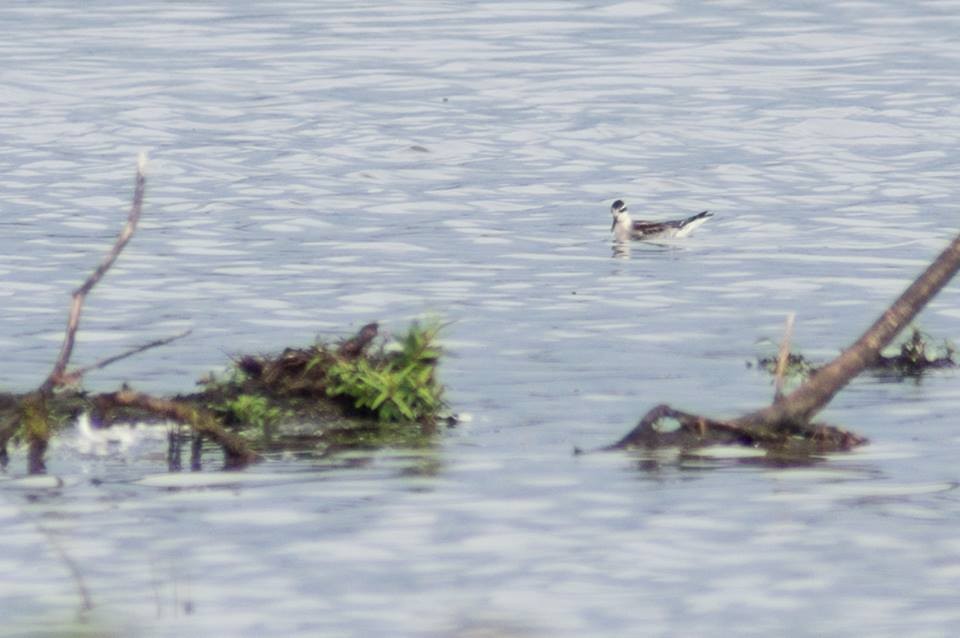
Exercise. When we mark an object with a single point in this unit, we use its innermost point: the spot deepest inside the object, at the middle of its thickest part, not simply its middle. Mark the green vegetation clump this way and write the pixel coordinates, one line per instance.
(359, 392)
(252, 410)
(396, 384)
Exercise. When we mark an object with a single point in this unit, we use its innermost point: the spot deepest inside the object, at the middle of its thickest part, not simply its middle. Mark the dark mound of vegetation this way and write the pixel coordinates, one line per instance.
(913, 358)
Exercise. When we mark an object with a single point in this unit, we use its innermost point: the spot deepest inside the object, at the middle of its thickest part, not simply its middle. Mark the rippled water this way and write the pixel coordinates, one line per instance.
(317, 166)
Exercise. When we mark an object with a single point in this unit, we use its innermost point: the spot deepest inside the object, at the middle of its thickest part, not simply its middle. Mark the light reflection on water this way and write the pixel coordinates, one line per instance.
(316, 167)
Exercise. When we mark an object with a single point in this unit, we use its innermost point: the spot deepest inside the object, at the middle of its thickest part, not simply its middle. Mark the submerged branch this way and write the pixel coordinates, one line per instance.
(664, 426)
(236, 451)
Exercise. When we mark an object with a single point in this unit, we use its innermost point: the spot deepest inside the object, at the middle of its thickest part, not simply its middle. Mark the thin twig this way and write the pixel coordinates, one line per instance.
(8, 427)
(783, 357)
(75, 375)
(79, 295)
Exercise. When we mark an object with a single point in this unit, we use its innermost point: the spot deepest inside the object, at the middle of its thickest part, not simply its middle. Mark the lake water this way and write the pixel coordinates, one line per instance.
(315, 166)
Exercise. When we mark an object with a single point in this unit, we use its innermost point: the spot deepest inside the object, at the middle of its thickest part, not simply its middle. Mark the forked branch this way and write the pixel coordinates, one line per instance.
(75, 375)
(56, 377)
(33, 415)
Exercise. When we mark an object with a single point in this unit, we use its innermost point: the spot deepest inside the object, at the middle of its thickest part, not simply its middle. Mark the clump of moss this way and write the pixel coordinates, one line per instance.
(397, 383)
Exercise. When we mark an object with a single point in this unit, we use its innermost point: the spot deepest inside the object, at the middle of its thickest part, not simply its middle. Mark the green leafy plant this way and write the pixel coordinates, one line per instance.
(253, 410)
(399, 383)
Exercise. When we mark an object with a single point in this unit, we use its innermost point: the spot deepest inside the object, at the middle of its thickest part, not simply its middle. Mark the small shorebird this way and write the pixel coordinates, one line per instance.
(625, 228)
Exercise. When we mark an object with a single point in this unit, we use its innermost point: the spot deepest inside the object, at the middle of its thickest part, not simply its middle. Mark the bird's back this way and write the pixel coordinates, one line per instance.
(673, 228)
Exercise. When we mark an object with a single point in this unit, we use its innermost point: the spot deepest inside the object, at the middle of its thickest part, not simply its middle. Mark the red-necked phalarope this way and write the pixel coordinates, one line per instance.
(625, 228)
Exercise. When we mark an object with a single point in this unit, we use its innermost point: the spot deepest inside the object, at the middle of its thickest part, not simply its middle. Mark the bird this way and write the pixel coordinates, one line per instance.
(625, 228)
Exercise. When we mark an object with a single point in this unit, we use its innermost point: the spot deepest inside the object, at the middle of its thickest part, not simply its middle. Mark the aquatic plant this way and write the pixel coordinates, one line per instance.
(916, 355)
(797, 366)
(912, 357)
(395, 385)
(252, 410)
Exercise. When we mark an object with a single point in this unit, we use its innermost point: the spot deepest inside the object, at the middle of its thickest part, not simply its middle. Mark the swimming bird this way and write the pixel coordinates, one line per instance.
(625, 228)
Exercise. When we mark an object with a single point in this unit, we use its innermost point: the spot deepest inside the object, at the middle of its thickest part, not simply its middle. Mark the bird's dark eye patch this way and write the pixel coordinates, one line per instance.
(619, 204)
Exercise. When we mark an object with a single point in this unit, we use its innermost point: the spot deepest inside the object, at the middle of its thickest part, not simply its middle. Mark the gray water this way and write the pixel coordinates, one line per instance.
(315, 166)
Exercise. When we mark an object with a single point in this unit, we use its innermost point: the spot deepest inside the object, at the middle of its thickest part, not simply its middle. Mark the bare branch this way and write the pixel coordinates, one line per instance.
(79, 295)
(804, 402)
(236, 451)
(787, 422)
(783, 357)
(76, 375)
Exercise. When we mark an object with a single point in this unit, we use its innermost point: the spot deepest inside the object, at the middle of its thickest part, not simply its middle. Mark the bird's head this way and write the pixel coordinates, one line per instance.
(617, 209)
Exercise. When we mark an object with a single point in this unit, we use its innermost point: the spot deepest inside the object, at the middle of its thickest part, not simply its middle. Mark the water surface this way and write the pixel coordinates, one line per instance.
(315, 167)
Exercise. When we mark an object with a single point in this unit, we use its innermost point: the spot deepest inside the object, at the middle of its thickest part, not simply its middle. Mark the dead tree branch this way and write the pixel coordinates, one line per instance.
(787, 420)
(33, 417)
(783, 357)
(803, 403)
(80, 294)
(236, 451)
(76, 375)
(664, 426)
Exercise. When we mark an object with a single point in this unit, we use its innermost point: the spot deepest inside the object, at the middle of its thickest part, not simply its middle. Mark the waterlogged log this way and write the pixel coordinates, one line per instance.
(786, 423)
(664, 426)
